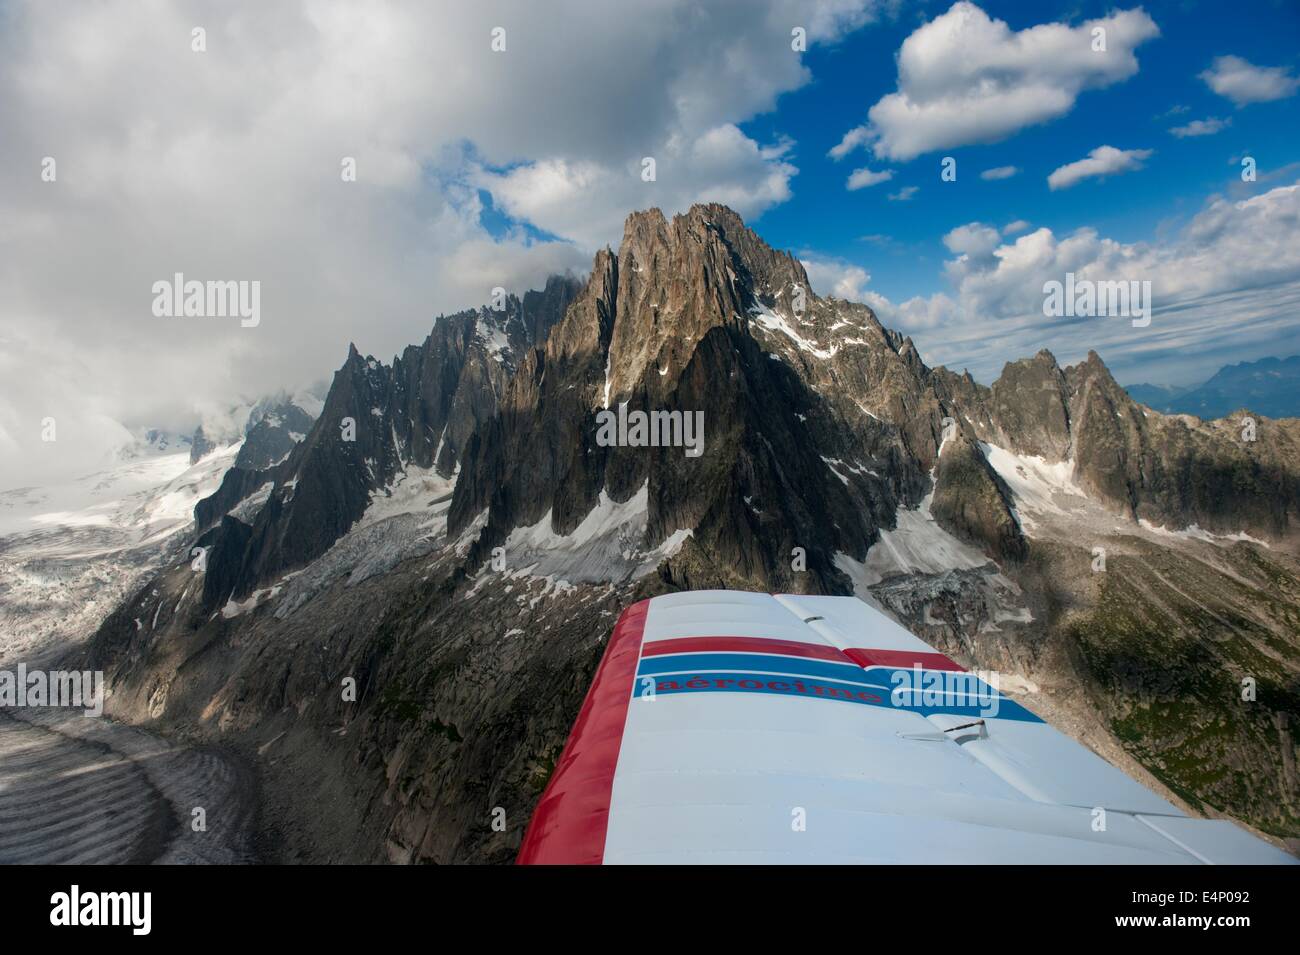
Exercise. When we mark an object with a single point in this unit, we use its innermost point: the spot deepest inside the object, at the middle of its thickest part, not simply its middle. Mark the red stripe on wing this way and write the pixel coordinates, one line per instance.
(902, 658)
(789, 648)
(571, 819)
(928, 659)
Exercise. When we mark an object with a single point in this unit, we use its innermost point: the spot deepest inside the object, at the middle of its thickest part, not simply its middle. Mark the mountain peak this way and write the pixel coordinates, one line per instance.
(643, 221)
(754, 262)
(1093, 362)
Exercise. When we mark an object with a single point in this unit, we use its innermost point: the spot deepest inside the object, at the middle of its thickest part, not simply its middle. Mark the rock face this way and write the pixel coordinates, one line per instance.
(1031, 402)
(377, 420)
(1171, 471)
(237, 485)
(455, 537)
(271, 434)
(973, 503)
(683, 320)
(200, 445)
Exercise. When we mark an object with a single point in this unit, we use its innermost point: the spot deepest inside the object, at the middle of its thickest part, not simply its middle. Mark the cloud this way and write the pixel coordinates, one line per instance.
(905, 194)
(851, 141)
(1102, 161)
(917, 314)
(966, 78)
(686, 81)
(861, 178)
(226, 165)
(844, 280)
(837, 278)
(587, 201)
(1245, 83)
(1226, 287)
(974, 239)
(1011, 228)
(1000, 172)
(1202, 127)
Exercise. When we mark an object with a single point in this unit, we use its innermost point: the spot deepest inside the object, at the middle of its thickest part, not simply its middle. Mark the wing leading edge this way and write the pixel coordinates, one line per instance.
(724, 726)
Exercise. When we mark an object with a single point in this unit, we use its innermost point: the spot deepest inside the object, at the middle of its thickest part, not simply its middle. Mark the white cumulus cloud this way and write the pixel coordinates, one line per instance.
(861, 178)
(1226, 287)
(837, 278)
(1102, 161)
(1202, 127)
(587, 201)
(975, 239)
(1244, 83)
(965, 77)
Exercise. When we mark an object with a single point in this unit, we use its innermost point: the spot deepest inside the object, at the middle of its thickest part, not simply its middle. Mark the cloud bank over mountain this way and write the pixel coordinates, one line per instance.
(226, 164)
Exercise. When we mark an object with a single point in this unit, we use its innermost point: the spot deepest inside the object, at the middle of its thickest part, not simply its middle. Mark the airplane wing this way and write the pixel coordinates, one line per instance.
(731, 727)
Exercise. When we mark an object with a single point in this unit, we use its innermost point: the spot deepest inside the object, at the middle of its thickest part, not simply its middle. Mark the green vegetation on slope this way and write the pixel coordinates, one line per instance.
(1167, 649)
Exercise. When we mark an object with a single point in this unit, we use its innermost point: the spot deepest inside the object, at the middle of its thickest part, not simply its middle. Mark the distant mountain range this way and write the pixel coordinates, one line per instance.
(1270, 386)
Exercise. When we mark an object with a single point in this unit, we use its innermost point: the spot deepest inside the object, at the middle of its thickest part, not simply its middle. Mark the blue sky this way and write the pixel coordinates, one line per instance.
(904, 253)
(852, 75)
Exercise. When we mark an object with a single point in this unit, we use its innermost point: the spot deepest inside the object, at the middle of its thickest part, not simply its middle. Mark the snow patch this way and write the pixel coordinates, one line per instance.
(494, 341)
(1037, 485)
(916, 545)
(1195, 532)
(830, 464)
(608, 358)
(609, 544)
(773, 322)
(413, 491)
(674, 542)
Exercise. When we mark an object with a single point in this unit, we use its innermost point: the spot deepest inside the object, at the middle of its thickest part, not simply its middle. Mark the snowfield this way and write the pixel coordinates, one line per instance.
(607, 546)
(1037, 485)
(1195, 532)
(70, 552)
(916, 545)
(409, 519)
(406, 519)
(1047, 502)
